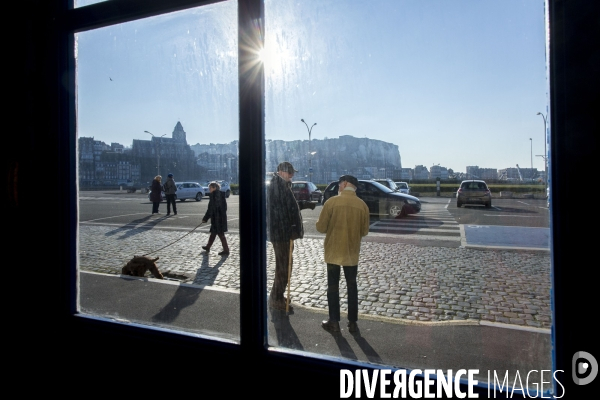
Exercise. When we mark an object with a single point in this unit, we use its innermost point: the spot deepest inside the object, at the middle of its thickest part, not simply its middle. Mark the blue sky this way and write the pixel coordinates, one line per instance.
(451, 82)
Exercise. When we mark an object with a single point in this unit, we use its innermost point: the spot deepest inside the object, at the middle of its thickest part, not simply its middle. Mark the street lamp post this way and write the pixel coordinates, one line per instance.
(157, 152)
(545, 155)
(531, 142)
(309, 152)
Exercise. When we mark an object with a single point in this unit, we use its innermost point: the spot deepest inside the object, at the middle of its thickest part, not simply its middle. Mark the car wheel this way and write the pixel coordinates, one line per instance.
(458, 204)
(227, 193)
(403, 213)
(394, 210)
(198, 196)
(488, 204)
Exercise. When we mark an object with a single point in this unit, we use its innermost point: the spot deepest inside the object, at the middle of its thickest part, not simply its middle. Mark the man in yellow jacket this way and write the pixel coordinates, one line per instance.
(345, 220)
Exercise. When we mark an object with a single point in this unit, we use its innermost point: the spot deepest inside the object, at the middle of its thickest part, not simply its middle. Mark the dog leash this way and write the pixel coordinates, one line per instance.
(198, 226)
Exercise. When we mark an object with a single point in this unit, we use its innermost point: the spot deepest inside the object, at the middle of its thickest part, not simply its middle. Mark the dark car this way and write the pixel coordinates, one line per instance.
(380, 199)
(304, 190)
(473, 192)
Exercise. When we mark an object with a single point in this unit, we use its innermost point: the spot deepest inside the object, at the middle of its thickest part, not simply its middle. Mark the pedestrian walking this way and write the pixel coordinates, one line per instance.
(345, 220)
(217, 213)
(156, 193)
(170, 189)
(284, 222)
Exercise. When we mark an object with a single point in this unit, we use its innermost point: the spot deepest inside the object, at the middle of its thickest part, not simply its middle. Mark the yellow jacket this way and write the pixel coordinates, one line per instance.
(345, 220)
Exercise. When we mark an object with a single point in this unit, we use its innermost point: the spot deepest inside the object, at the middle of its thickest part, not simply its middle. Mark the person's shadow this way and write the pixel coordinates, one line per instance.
(369, 351)
(343, 345)
(135, 227)
(286, 336)
(206, 274)
(183, 297)
(186, 296)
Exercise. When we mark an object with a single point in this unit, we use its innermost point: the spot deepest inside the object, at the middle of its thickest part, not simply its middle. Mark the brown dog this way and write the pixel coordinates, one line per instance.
(139, 265)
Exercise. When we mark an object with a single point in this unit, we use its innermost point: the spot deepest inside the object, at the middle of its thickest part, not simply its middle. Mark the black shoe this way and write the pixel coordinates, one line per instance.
(168, 214)
(224, 253)
(206, 248)
(175, 213)
(331, 326)
(352, 327)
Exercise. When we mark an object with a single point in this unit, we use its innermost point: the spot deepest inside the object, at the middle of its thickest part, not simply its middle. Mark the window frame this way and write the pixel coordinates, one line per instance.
(570, 121)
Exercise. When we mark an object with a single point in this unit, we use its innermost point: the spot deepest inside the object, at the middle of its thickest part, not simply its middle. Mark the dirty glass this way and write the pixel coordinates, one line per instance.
(431, 93)
(158, 97)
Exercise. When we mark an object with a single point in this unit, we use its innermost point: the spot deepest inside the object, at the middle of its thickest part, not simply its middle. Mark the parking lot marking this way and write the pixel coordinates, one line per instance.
(510, 215)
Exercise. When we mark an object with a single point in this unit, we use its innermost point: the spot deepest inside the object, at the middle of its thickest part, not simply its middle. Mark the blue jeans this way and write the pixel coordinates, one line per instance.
(333, 292)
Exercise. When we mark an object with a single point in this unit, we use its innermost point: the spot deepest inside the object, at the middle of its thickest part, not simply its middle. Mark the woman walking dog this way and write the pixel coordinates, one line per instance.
(217, 213)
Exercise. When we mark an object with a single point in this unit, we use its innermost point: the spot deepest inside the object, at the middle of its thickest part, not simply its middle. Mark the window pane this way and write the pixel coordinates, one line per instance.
(416, 91)
(156, 97)
(83, 3)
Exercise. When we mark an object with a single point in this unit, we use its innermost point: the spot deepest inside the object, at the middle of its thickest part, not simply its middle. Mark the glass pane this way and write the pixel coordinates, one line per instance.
(430, 93)
(157, 97)
(83, 3)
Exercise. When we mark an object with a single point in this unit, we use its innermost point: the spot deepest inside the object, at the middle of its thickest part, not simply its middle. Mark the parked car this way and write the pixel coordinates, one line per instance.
(225, 187)
(304, 190)
(403, 187)
(387, 182)
(187, 190)
(380, 199)
(190, 190)
(473, 192)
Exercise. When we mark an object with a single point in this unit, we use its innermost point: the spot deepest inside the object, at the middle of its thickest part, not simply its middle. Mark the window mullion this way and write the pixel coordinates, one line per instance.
(251, 172)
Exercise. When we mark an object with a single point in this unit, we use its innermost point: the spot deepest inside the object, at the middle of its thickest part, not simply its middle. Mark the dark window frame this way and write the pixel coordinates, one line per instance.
(49, 141)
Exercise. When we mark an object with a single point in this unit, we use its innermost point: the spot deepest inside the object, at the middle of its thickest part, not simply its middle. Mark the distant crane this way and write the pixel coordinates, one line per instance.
(519, 171)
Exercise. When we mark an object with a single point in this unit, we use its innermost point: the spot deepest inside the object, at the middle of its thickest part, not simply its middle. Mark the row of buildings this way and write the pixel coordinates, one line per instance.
(320, 161)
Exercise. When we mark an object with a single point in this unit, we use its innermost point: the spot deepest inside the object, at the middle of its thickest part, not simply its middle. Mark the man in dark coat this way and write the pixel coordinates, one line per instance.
(284, 222)
(170, 189)
(217, 213)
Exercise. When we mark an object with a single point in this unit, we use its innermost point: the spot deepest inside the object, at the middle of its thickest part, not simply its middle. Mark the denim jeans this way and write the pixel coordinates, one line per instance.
(333, 292)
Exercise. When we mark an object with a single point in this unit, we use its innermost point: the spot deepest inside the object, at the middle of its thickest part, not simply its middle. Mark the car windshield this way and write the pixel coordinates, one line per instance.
(402, 185)
(383, 188)
(474, 186)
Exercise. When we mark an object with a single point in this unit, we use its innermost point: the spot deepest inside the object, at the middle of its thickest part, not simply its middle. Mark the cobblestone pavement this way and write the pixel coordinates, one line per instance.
(396, 280)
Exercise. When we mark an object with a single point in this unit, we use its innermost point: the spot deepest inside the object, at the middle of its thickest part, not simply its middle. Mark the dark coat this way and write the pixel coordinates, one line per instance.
(284, 220)
(156, 190)
(170, 187)
(216, 212)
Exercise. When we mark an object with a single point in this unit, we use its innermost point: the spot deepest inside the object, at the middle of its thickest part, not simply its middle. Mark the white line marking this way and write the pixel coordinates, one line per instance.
(514, 216)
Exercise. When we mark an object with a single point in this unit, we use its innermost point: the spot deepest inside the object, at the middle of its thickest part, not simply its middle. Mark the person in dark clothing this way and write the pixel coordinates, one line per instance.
(156, 193)
(170, 189)
(217, 213)
(284, 222)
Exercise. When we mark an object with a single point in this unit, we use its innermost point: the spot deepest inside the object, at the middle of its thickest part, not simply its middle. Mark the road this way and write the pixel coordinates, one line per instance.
(519, 223)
